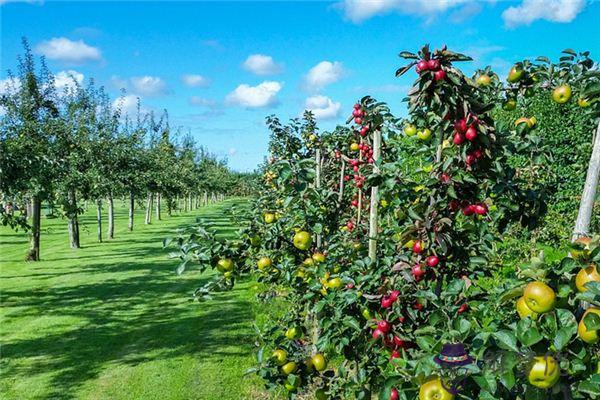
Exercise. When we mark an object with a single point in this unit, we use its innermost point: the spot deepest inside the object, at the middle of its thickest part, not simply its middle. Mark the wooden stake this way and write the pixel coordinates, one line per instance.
(588, 197)
(373, 222)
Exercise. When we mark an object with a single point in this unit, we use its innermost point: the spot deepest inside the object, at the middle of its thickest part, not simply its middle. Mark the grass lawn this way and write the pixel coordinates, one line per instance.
(113, 321)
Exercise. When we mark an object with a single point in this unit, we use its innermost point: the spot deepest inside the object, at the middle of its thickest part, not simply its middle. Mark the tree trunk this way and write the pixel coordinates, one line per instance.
(34, 238)
(73, 221)
(149, 209)
(158, 206)
(111, 217)
(190, 202)
(29, 208)
(205, 201)
(586, 207)
(131, 210)
(373, 223)
(170, 204)
(99, 219)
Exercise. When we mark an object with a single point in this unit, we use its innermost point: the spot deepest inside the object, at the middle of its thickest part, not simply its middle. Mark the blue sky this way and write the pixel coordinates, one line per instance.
(221, 67)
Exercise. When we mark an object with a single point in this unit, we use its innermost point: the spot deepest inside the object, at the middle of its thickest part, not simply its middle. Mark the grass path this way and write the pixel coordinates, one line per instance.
(113, 321)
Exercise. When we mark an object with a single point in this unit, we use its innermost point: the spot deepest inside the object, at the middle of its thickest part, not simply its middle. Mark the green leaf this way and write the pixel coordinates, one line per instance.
(506, 340)
(527, 332)
(591, 386)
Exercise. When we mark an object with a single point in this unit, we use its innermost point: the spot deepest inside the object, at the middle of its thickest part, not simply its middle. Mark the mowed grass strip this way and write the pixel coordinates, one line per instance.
(113, 321)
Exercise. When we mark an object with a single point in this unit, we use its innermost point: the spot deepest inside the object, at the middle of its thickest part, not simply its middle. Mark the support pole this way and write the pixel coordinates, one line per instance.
(588, 197)
(373, 217)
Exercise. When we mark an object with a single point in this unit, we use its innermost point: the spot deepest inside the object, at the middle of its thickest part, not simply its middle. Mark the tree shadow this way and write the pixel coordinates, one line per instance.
(135, 315)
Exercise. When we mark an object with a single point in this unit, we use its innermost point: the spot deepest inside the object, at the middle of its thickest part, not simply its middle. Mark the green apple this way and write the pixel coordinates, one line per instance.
(515, 74)
(302, 240)
(544, 372)
(425, 134)
(483, 80)
(410, 129)
(562, 94)
(225, 265)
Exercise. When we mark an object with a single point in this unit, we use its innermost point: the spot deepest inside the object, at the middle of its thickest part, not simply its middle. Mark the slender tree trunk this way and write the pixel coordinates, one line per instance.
(149, 209)
(73, 221)
(586, 207)
(34, 238)
(205, 198)
(190, 201)
(170, 206)
(99, 219)
(111, 217)
(29, 208)
(158, 206)
(131, 210)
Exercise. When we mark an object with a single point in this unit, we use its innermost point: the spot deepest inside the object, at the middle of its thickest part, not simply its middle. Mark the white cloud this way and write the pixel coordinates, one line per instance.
(261, 64)
(323, 107)
(67, 80)
(323, 74)
(550, 10)
(150, 86)
(232, 151)
(360, 10)
(127, 104)
(68, 51)
(9, 85)
(200, 101)
(262, 95)
(193, 80)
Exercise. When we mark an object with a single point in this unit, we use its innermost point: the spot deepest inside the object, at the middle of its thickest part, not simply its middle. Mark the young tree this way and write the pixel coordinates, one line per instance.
(27, 133)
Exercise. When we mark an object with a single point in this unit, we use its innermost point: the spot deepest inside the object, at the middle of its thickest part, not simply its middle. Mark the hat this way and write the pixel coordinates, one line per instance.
(453, 355)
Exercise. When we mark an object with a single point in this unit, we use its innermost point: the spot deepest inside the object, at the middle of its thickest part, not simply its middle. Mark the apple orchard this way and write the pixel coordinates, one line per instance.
(380, 245)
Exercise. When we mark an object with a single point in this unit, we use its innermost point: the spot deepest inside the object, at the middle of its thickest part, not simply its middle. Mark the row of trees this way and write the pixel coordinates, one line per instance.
(385, 241)
(69, 144)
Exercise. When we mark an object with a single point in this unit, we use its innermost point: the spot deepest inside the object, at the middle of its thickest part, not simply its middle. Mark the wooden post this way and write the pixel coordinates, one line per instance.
(158, 216)
(111, 217)
(342, 175)
(149, 209)
(131, 209)
(588, 197)
(99, 219)
(373, 223)
(318, 185)
(360, 192)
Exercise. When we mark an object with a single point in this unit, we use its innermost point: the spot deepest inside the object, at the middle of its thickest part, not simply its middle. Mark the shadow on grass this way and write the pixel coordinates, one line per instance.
(124, 320)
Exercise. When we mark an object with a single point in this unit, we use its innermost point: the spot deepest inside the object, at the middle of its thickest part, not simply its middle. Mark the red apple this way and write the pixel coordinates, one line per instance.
(358, 120)
(394, 295)
(458, 138)
(418, 247)
(377, 333)
(386, 302)
(356, 106)
(418, 272)
(468, 210)
(394, 394)
(461, 125)
(480, 209)
(464, 307)
(433, 64)
(432, 261)
(439, 75)
(422, 66)
(471, 133)
(384, 326)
